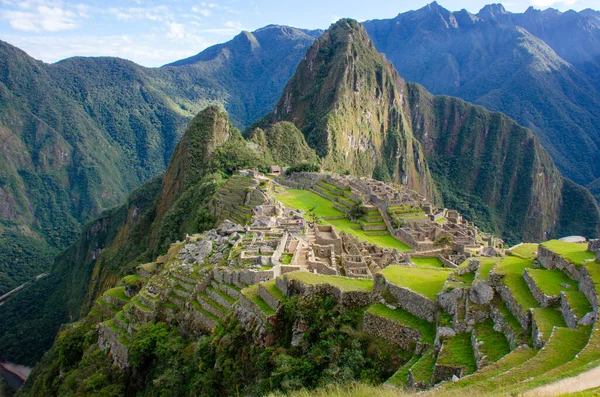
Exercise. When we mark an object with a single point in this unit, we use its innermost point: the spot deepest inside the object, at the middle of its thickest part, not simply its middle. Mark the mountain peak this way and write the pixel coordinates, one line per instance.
(491, 11)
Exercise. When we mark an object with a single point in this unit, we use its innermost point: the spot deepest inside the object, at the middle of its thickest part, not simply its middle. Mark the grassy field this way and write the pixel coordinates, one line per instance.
(428, 262)
(323, 208)
(305, 200)
(403, 317)
(458, 352)
(426, 281)
(512, 268)
(549, 281)
(573, 252)
(526, 250)
(344, 283)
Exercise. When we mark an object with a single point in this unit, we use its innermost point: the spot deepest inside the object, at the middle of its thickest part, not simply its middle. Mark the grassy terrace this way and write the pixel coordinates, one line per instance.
(323, 208)
(485, 267)
(458, 352)
(251, 293)
(562, 347)
(343, 283)
(579, 303)
(426, 281)
(132, 279)
(513, 359)
(119, 293)
(399, 378)
(547, 319)
(587, 359)
(512, 268)
(495, 346)
(423, 369)
(199, 308)
(403, 317)
(573, 252)
(428, 262)
(221, 294)
(549, 281)
(525, 250)
(273, 290)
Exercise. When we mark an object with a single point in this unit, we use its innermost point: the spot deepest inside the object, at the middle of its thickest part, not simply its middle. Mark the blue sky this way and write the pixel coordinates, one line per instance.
(155, 32)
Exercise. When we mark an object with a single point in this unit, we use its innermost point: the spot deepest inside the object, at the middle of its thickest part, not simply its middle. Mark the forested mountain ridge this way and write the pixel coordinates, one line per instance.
(82, 133)
(534, 67)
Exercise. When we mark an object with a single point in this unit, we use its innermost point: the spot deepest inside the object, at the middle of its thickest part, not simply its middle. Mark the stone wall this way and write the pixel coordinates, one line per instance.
(411, 301)
(268, 298)
(594, 246)
(241, 278)
(586, 285)
(543, 299)
(442, 373)
(567, 312)
(390, 330)
(539, 339)
(502, 325)
(108, 339)
(523, 315)
(347, 299)
(199, 320)
(551, 260)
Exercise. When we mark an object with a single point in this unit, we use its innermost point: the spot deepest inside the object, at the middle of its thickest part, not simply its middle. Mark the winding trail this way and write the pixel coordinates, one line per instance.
(581, 382)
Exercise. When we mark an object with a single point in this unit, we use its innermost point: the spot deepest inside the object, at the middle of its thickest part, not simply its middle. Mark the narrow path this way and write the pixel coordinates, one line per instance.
(581, 382)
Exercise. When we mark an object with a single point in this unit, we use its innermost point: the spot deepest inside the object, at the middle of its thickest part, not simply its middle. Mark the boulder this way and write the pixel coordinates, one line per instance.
(587, 319)
(481, 293)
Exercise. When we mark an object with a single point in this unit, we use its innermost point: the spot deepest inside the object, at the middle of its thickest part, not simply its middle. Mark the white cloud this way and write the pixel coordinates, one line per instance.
(40, 18)
(205, 12)
(552, 3)
(147, 49)
(158, 13)
(176, 30)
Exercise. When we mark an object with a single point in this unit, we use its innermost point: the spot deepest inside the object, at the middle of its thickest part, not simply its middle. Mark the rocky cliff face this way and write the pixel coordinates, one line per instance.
(350, 104)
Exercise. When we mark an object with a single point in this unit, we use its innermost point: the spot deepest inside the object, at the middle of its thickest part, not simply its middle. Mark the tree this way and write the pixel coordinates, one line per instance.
(357, 211)
(444, 241)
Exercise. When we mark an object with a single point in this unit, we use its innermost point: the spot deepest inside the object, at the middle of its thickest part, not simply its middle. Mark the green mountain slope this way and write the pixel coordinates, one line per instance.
(79, 135)
(524, 65)
(359, 115)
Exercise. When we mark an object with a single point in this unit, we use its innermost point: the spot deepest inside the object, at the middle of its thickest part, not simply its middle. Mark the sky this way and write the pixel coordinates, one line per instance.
(156, 32)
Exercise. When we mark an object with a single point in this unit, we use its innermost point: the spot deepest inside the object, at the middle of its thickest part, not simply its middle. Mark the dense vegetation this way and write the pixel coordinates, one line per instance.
(332, 350)
(81, 134)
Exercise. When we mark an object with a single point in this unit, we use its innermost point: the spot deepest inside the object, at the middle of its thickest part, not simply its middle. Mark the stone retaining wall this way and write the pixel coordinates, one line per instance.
(567, 312)
(199, 320)
(539, 339)
(543, 299)
(347, 299)
(109, 340)
(219, 299)
(522, 315)
(254, 309)
(551, 260)
(411, 301)
(586, 285)
(242, 278)
(268, 298)
(502, 325)
(390, 330)
(594, 246)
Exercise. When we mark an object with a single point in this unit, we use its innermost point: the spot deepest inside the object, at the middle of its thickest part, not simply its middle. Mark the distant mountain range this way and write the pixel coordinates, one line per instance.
(82, 133)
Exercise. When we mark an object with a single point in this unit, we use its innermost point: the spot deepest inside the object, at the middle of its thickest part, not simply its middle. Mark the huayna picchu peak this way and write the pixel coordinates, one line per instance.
(302, 219)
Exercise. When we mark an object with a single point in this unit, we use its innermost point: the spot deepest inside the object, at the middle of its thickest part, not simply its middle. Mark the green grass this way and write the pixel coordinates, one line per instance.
(513, 359)
(403, 317)
(401, 375)
(221, 294)
(345, 284)
(549, 281)
(578, 303)
(573, 252)
(423, 369)
(507, 314)
(526, 250)
(428, 262)
(305, 200)
(119, 293)
(546, 319)
(208, 314)
(273, 290)
(132, 279)
(562, 347)
(495, 345)
(458, 352)
(251, 293)
(149, 267)
(512, 268)
(426, 281)
(286, 259)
